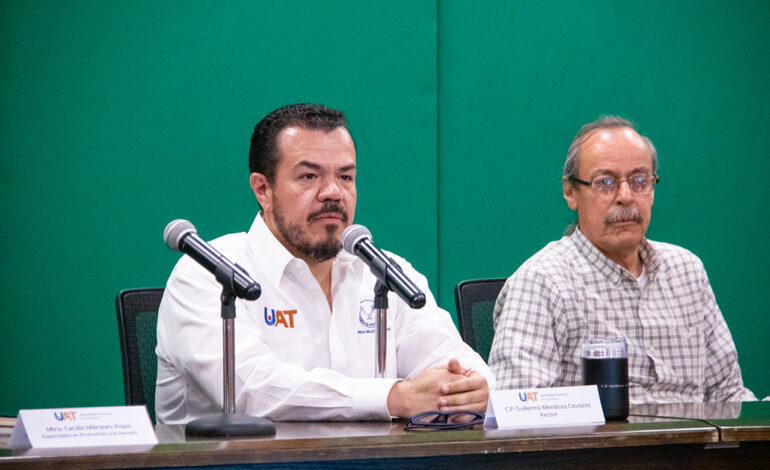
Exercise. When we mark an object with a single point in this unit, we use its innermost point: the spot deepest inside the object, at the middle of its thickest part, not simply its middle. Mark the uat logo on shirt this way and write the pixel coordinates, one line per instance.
(280, 317)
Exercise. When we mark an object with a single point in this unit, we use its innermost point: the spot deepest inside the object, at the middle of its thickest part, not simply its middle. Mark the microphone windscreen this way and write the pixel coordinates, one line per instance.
(175, 230)
(352, 235)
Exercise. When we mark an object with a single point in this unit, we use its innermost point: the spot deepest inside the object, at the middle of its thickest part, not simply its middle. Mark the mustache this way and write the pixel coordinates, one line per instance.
(327, 207)
(623, 213)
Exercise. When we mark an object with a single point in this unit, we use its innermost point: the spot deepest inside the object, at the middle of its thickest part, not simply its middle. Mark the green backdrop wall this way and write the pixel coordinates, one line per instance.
(518, 79)
(120, 116)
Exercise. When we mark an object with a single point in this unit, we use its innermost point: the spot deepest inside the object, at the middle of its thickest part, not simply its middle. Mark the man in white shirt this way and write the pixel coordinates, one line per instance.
(305, 349)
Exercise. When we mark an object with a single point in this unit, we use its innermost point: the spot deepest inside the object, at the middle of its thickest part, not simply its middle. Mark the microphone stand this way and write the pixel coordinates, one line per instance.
(381, 335)
(228, 424)
(381, 312)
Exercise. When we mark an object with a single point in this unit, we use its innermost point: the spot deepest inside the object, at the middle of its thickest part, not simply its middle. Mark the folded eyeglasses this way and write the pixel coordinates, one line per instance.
(444, 420)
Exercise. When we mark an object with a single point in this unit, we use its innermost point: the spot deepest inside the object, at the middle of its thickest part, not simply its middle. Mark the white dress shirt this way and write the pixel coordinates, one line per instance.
(295, 358)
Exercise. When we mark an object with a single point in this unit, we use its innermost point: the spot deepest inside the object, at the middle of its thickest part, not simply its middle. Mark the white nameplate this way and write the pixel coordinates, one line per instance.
(83, 427)
(535, 407)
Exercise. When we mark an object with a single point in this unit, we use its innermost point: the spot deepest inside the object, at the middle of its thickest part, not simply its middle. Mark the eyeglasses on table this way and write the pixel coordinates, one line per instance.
(444, 420)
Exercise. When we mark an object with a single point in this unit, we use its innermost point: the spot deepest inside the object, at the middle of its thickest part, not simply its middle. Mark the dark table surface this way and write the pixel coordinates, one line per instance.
(675, 435)
(736, 422)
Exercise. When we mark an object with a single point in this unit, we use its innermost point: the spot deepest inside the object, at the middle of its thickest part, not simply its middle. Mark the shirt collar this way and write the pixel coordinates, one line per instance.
(270, 254)
(274, 258)
(650, 258)
(610, 269)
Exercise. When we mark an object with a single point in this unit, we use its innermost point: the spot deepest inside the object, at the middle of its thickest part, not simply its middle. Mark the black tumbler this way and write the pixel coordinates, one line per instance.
(604, 363)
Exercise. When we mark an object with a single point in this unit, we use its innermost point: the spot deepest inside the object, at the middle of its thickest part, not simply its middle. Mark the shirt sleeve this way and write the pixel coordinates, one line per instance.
(190, 354)
(525, 353)
(723, 381)
(428, 337)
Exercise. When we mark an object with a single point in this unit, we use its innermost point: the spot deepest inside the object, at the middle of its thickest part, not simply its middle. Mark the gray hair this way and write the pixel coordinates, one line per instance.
(604, 122)
(571, 164)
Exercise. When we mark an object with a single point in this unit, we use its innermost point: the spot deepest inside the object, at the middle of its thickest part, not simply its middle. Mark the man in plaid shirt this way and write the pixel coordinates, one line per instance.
(604, 278)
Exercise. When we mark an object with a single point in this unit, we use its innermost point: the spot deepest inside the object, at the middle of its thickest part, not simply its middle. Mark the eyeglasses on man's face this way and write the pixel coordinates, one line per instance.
(640, 183)
(444, 420)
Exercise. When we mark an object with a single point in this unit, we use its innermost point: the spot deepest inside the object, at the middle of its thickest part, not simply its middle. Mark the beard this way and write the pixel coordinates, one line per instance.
(294, 235)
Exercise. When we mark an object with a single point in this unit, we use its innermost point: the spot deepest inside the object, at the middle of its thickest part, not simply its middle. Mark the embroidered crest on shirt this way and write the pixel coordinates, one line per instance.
(366, 314)
(283, 318)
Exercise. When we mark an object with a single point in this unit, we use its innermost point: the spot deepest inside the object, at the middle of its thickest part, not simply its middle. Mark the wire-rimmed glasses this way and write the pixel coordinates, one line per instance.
(444, 420)
(640, 183)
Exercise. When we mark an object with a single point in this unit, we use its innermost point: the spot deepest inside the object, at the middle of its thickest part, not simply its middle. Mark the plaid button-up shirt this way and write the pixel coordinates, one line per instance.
(679, 347)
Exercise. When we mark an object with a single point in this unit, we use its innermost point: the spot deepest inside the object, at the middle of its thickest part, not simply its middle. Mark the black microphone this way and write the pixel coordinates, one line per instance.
(180, 235)
(357, 240)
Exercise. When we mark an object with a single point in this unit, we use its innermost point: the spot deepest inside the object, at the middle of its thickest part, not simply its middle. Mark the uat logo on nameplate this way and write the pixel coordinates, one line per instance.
(83, 427)
(558, 406)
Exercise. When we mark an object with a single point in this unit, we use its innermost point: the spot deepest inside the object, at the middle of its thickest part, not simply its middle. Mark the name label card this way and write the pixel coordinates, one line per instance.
(536, 407)
(83, 427)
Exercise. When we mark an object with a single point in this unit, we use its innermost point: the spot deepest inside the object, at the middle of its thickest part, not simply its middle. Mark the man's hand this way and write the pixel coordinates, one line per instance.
(470, 392)
(439, 388)
(421, 393)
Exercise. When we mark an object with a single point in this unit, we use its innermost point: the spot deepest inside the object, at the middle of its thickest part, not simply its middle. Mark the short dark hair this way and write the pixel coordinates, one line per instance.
(263, 155)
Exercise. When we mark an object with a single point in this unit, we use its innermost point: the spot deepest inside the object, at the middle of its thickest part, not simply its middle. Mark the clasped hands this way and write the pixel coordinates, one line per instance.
(446, 388)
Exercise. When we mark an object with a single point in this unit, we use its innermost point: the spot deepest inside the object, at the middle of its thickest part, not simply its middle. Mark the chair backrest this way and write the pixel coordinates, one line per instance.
(137, 326)
(475, 302)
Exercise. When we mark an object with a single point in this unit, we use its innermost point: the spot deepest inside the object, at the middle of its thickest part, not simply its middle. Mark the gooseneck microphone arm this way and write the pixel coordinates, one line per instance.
(357, 240)
(180, 235)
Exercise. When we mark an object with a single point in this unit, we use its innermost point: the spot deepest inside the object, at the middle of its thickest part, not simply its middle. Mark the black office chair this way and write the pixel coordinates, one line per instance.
(137, 326)
(475, 302)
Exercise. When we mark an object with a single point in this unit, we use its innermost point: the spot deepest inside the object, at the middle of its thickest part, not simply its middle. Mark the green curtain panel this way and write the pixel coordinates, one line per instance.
(118, 117)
